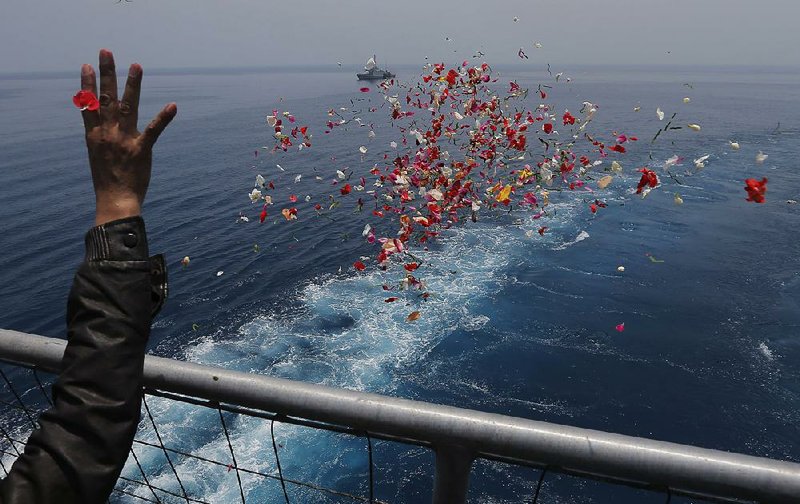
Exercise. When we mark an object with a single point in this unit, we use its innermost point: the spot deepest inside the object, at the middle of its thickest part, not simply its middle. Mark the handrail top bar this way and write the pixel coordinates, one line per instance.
(682, 468)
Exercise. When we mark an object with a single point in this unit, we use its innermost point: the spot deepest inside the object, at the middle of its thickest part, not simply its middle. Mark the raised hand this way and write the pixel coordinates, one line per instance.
(119, 155)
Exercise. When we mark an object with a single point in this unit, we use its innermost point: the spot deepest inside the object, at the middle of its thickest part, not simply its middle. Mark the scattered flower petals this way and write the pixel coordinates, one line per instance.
(756, 190)
(660, 114)
(604, 181)
(621, 269)
(734, 145)
(86, 100)
(693, 126)
(678, 200)
(620, 327)
(364, 90)
(220, 273)
(414, 315)
(649, 178)
(700, 162)
(185, 261)
(761, 157)
(674, 160)
(360, 266)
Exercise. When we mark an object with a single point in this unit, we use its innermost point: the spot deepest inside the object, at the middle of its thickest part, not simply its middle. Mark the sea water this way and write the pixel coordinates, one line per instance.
(517, 323)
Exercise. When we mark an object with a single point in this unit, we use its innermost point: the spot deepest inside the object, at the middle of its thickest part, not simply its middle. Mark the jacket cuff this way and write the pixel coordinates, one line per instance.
(119, 240)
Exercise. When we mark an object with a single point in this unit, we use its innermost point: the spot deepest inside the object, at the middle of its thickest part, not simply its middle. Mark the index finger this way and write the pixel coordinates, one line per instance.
(91, 118)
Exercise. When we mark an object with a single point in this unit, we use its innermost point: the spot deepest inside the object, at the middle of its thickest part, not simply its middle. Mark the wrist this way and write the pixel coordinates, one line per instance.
(112, 209)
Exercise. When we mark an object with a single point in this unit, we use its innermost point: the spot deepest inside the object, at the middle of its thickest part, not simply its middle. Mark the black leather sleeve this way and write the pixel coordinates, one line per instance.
(83, 441)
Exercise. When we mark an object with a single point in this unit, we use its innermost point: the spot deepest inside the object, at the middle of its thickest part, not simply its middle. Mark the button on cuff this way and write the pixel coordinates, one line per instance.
(120, 240)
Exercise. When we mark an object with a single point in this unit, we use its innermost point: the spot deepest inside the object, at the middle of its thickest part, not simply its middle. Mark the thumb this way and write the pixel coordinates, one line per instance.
(157, 125)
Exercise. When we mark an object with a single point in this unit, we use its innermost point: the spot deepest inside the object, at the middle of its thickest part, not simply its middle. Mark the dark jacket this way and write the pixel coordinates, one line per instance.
(83, 441)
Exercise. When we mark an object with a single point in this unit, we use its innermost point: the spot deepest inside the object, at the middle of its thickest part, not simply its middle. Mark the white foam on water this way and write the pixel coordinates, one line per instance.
(581, 236)
(766, 351)
(343, 334)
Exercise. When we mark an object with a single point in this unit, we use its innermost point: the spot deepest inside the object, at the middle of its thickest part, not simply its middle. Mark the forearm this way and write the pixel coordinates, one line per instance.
(84, 440)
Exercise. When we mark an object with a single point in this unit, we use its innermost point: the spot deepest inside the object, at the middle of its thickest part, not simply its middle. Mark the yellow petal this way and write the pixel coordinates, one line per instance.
(604, 181)
(504, 193)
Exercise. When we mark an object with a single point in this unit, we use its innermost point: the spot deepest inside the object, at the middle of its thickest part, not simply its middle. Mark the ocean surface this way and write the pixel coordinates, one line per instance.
(517, 325)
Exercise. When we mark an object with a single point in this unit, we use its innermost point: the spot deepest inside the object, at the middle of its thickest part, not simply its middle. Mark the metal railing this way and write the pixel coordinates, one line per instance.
(457, 436)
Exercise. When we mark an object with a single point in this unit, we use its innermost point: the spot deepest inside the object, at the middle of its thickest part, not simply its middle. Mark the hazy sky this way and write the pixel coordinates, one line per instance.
(62, 34)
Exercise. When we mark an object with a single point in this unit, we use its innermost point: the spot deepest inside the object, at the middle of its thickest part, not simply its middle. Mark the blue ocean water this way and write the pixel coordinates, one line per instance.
(517, 325)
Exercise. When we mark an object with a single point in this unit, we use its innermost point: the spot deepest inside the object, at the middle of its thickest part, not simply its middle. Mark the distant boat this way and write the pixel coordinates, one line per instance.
(373, 72)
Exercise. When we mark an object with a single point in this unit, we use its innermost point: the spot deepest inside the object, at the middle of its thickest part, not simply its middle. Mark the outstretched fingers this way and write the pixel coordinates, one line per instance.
(157, 125)
(91, 118)
(129, 106)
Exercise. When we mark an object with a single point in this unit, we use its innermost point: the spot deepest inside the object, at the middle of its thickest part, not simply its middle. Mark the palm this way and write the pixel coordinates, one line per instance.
(119, 155)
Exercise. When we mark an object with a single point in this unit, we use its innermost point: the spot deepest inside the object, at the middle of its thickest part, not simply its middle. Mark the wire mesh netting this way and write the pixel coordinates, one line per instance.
(193, 455)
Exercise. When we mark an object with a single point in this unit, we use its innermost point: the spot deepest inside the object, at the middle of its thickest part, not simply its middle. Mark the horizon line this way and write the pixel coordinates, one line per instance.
(350, 66)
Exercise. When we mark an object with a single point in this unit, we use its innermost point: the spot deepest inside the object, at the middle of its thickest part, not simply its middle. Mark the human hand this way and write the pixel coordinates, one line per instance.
(119, 155)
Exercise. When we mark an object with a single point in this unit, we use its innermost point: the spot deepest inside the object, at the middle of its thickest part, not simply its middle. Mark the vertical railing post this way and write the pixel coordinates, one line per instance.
(451, 482)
